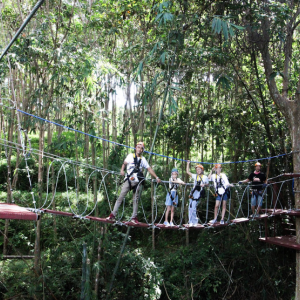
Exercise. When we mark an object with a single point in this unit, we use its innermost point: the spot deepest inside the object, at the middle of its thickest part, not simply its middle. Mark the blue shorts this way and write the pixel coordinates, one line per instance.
(256, 200)
(225, 197)
(169, 201)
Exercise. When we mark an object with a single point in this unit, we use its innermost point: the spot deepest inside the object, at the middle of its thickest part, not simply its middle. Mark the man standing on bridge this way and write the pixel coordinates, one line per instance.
(258, 180)
(135, 162)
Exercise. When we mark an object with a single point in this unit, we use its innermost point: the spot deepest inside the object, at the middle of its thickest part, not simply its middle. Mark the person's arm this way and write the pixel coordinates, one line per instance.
(226, 181)
(150, 170)
(123, 167)
(266, 180)
(210, 173)
(188, 168)
(244, 181)
(178, 181)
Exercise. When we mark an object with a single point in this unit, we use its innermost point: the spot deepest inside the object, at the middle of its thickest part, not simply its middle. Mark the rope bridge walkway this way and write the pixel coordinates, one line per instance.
(61, 171)
(77, 176)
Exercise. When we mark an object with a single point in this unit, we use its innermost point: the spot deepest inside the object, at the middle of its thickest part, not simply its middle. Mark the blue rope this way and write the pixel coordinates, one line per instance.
(153, 153)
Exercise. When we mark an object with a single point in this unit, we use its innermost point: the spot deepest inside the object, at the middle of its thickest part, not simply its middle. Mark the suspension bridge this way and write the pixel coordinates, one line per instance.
(238, 208)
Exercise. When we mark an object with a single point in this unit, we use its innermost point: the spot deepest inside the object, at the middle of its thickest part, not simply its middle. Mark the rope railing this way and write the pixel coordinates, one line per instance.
(241, 193)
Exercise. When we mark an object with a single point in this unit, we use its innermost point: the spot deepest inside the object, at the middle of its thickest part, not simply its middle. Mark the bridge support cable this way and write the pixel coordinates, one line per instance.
(34, 10)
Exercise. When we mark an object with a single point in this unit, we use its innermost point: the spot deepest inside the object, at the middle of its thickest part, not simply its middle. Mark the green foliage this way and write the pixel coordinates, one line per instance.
(200, 59)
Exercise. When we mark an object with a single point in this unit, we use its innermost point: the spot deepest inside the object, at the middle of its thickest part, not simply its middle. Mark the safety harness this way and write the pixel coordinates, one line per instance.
(136, 169)
(221, 185)
(197, 187)
(174, 187)
(257, 190)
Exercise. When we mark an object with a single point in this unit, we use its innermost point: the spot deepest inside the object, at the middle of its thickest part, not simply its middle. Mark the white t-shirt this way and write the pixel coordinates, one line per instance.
(222, 177)
(202, 177)
(130, 163)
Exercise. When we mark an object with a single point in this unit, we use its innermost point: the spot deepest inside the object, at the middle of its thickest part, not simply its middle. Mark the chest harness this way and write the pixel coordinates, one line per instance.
(174, 187)
(198, 187)
(136, 169)
(221, 185)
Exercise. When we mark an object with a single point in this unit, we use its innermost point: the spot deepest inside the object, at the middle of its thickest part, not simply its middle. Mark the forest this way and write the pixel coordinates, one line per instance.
(207, 81)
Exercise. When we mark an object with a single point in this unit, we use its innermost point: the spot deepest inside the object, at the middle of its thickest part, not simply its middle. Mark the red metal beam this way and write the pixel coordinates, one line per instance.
(15, 212)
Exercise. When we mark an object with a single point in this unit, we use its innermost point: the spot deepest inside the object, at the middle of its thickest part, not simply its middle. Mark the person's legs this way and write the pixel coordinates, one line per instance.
(194, 212)
(167, 213)
(259, 203)
(135, 201)
(216, 209)
(125, 189)
(253, 203)
(190, 211)
(172, 213)
(223, 209)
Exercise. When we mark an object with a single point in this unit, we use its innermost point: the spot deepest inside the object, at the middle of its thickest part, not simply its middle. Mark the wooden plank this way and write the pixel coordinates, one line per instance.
(274, 212)
(239, 220)
(295, 175)
(195, 226)
(16, 212)
(295, 213)
(162, 226)
(102, 220)
(217, 224)
(139, 224)
(288, 241)
(260, 217)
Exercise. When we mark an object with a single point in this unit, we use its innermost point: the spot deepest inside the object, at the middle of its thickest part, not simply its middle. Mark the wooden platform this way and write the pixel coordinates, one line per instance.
(15, 212)
(195, 226)
(295, 175)
(162, 226)
(287, 241)
(274, 212)
(239, 220)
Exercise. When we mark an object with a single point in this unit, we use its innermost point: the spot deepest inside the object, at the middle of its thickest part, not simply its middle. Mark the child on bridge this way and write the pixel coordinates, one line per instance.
(198, 191)
(172, 196)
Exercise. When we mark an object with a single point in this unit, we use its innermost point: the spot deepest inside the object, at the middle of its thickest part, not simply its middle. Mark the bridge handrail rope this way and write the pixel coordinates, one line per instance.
(97, 191)
(102, 184)
(47, 190)
(182, 205)
(129, 147)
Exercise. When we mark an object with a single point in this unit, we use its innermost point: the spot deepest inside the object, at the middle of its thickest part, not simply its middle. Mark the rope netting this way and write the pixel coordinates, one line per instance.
(62, 172)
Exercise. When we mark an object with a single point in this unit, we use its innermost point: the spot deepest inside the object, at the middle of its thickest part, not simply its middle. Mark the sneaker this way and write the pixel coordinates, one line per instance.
(111, 217)
(213, 221)
(171, 224)
(191, 225)
(166, 223)
(222, 222)
(134, 220)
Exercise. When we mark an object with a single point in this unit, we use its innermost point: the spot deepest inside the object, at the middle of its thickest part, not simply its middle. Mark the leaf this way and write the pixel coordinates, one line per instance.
(176, 88)
(163, 57)
(237, 26)
(225, 30)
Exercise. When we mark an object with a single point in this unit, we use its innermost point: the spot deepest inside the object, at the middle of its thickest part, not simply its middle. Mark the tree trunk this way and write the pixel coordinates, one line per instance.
(98, 262)
(296, 162)
(37, 252)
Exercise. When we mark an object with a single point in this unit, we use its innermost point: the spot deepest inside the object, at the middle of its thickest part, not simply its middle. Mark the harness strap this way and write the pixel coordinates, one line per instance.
(136, 168)
(174, 186)
(197, 187)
